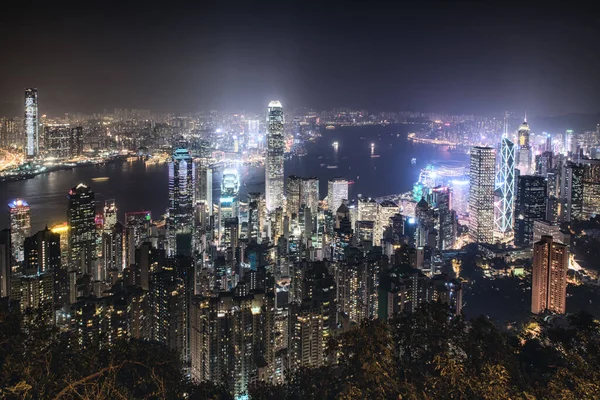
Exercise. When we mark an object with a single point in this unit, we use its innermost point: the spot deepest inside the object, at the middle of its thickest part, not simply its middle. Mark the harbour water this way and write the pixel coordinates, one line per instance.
(382, 169)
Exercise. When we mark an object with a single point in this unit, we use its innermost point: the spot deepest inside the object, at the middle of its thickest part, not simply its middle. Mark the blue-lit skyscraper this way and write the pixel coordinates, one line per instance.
(506, 184)
(274, 191)
(31, 122)
(180, 220)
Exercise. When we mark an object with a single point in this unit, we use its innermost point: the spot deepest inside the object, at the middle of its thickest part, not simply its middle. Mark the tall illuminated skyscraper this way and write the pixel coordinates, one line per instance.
(20, 226)
(180, 219)
(524, 155)
(337, 190)
(481, 198)
(204, 188)
(530, 207)
(110, 214)
(549, 276)
(506, 182)
(31, 122)
(229, 201)
(274, 163)
(82, 228)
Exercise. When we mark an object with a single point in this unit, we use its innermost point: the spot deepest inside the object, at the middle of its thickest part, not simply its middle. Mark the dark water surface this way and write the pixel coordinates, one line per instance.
(136, 186)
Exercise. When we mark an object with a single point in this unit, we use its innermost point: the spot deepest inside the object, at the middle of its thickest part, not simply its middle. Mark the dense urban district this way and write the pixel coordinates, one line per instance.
(479, 282)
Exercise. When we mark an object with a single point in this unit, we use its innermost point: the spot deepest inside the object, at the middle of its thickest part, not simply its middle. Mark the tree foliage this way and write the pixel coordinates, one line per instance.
(431, 354)
(37, 361)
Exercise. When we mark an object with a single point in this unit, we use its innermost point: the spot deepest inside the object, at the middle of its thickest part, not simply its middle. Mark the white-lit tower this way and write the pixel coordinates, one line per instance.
(506, 184)
(180, 219)
(481, 196)
(31, 122)
(274, 177)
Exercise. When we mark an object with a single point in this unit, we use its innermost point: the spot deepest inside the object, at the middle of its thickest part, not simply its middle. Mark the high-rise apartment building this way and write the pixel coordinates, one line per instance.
(549, 276)
(232, 339)
(506, 182)
(20, 226)
(274, 175)
(82, 228)
(31, 123)
(180, 219)
(311, 315)
(481, 199)
(530, 207)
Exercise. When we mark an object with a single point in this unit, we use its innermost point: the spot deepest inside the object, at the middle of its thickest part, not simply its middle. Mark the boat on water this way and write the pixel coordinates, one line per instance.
(330, 127)
(413, 161)
(375, 155)
(332, 166)
(335, 145)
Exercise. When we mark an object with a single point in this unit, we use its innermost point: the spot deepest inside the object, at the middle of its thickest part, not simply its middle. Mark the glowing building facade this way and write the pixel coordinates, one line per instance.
(180, 220)
(31, 123)
(229, 200)
(274, 176)
(481, 198)
(506, 184)
(549, 276)
(20, 226)
(82, 228)
(524, 155)
(337, 191)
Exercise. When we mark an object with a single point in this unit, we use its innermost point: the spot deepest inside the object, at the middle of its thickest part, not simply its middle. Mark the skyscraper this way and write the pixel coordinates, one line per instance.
(481, 199)
(20, 226)
(274, 163)
(204, 188)
(309, 194)
(229, 201)
(337, 190)
(530, 207)
(506, 181)
(293, 190)
(5, 263)
(572, 192)
(524, 155)
(110, 214)
(31, 122)
(180, 218)
(82, 228)
(42, 253)
(549, 276)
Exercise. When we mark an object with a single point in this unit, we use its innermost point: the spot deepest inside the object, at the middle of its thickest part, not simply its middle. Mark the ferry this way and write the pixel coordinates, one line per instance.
(335, 145)
(332, 166)
(375, 155)
(330, 127)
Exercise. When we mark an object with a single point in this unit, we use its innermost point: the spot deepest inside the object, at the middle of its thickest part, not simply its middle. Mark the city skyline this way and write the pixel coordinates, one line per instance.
(157, 250)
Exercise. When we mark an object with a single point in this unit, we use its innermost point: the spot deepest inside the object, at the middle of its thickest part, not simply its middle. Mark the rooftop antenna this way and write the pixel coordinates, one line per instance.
(525, 116)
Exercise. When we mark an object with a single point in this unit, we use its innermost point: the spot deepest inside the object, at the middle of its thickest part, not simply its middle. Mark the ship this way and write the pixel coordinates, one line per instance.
(413, 161)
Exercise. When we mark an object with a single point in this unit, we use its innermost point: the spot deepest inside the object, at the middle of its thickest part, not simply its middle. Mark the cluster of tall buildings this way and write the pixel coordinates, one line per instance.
(38, 137)
(524, 187)
(242, 288)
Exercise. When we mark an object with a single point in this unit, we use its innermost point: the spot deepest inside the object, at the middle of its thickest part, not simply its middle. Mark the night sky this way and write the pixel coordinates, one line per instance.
(467, 57)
